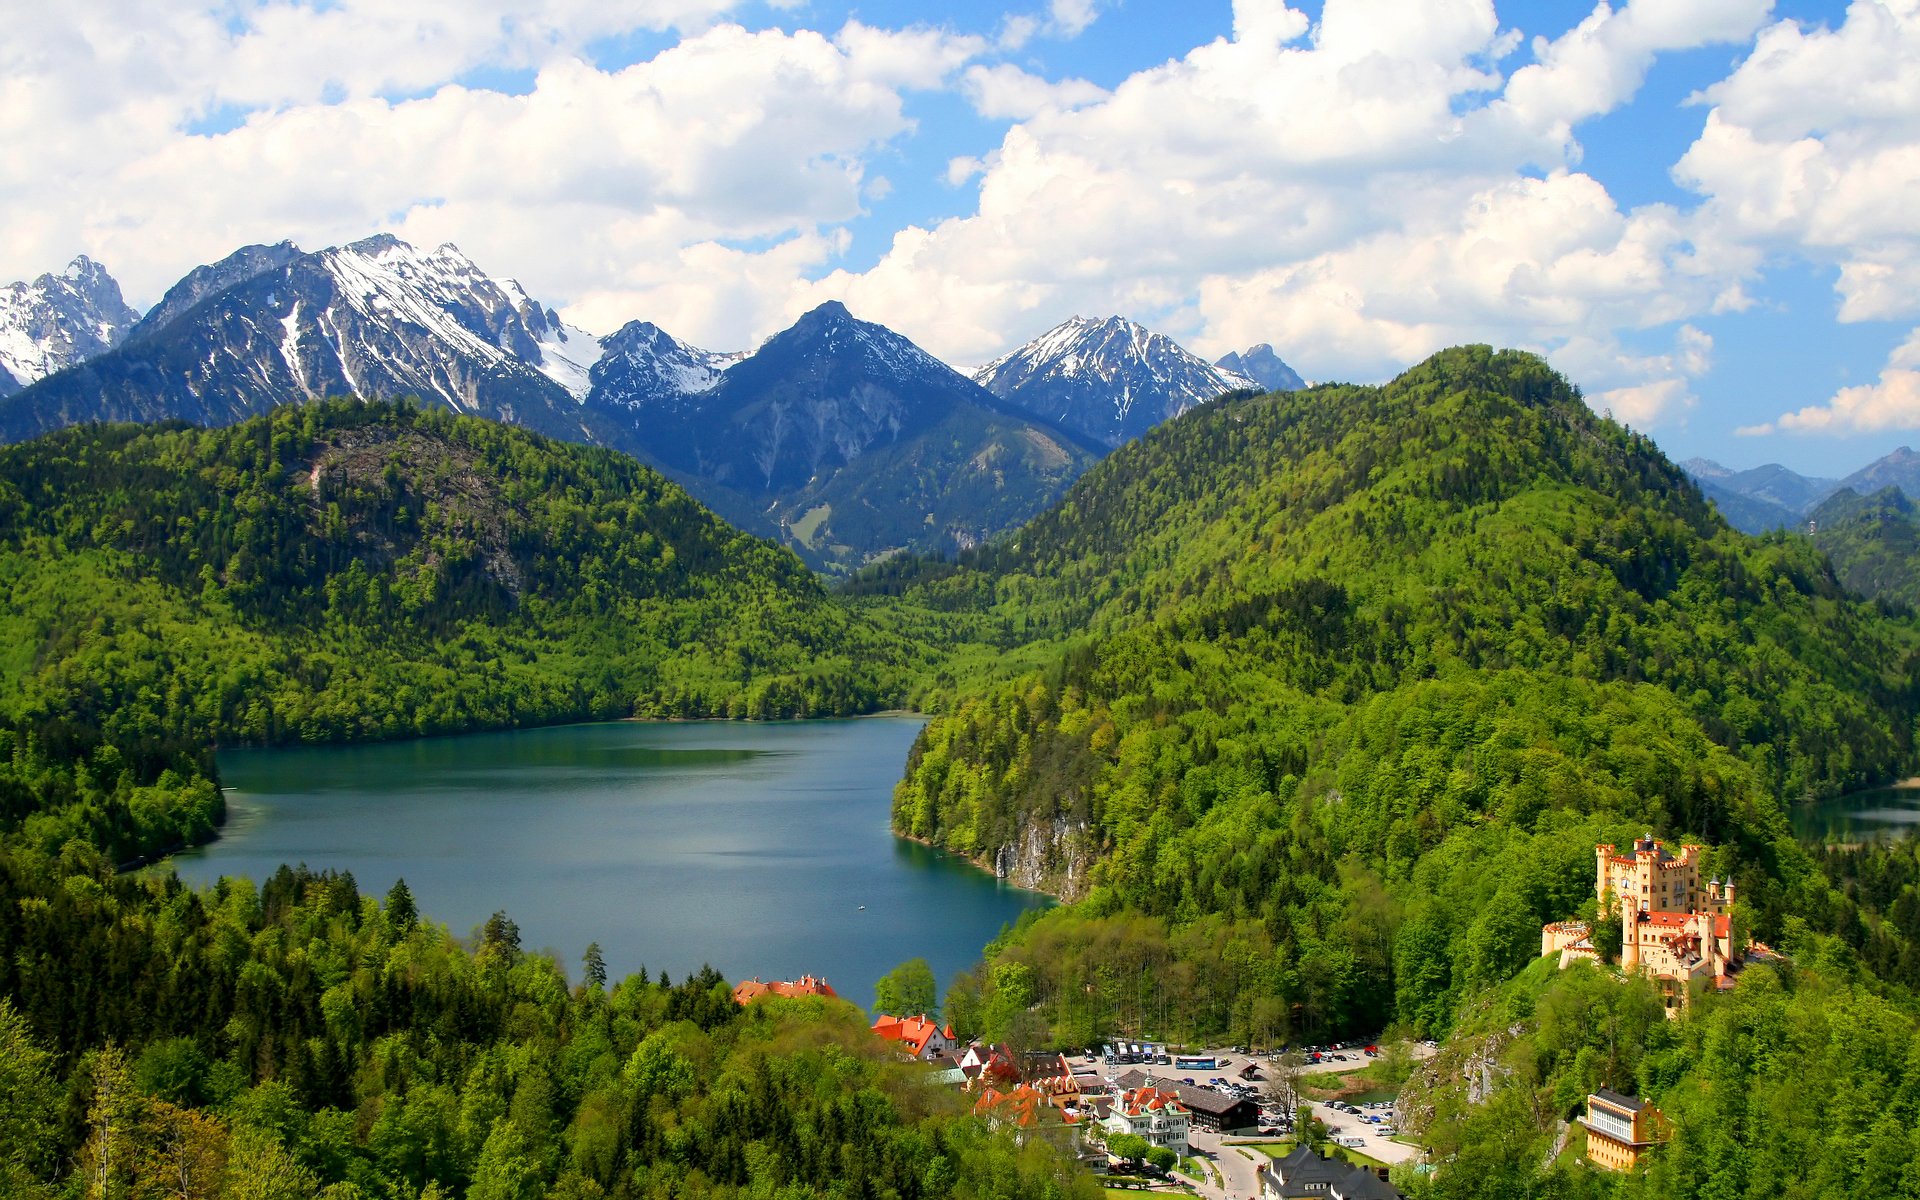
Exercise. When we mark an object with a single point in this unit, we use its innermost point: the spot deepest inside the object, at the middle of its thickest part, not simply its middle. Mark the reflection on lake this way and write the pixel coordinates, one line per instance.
(1870, 815)
(761, 848)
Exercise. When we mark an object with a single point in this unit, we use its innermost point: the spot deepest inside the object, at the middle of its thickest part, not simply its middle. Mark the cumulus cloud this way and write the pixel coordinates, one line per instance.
(1005, 91)
(591, 185)
(1360, 191)
(1812, 147)
(1890, 402)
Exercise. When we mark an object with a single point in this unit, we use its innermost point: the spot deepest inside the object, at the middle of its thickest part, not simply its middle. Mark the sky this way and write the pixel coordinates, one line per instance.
(1705, 212)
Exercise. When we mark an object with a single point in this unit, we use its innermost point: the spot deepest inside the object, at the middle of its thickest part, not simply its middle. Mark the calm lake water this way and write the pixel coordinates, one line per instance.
(1859, 817)
(750, 846)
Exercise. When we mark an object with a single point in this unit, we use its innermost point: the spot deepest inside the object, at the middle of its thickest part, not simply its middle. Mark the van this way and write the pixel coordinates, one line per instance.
(1351, 1143)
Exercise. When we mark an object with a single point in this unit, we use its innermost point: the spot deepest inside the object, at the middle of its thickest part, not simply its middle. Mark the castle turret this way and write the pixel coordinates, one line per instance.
(1629, 938)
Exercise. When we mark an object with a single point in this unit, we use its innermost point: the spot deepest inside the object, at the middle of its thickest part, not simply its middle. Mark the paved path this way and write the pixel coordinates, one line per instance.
(1235, 1164)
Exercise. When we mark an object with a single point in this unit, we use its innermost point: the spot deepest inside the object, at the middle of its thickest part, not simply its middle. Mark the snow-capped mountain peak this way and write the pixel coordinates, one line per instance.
(442, 293)
(59, 320)
(643, 366)
(1109, 378)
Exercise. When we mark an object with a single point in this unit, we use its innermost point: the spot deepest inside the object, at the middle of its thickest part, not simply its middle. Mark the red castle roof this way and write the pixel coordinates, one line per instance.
(806, 985)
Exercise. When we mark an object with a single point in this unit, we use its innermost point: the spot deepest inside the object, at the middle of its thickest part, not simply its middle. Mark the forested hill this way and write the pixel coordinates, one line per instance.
(1874, 541)
(1373, 668)
(343, 570)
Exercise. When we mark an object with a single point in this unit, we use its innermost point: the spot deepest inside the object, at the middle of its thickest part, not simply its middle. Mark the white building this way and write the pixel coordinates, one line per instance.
(1152, 1114)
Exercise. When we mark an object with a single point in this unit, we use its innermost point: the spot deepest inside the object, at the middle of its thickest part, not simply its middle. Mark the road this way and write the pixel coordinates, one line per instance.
(1236, 1165)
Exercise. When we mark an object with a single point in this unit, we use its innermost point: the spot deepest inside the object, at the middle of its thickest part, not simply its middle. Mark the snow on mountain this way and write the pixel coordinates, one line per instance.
(1111, 380)
(243, 264)
(642, 366)
(377, 318)
(59, 320)
(838, 436)
(443, 294)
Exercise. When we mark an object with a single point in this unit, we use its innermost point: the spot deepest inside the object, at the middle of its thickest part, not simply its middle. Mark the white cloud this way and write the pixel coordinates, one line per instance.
(1064, 19)
(1812, 147)
(1890, 402)
(593, 184)
(1360, 192)
(1005, 91)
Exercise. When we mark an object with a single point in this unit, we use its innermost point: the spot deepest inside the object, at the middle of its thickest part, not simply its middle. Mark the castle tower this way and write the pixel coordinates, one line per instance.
(1602, 884)
(1629, 938)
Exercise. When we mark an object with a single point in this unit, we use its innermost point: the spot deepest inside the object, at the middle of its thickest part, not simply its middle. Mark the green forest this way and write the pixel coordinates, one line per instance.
(1312, 705)
(348, 571)
(1874, 542)
(1325, 700)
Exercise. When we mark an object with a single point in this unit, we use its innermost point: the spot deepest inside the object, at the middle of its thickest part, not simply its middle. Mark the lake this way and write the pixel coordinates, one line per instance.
(1858, 817)
(763, 849)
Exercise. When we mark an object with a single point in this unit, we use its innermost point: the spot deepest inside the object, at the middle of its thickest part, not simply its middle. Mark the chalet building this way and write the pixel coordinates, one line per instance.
(990, 1066)
(1152, 1113)
(1028, 1111)
(1673, 927)
(1620, 1130)
(1036, 1065)
(806, 985)
(918, 1036)
(1213, 1111)
(1305, 1175)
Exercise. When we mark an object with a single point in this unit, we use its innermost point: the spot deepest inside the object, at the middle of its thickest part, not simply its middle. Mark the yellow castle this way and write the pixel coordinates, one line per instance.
(1671, 927)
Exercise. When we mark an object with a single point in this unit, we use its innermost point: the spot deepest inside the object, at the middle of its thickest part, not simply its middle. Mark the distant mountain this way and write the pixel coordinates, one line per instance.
(643, 368)
(1110, 380)
(1760, 498)
(377, 318)
(1873, 540)
(837, 435)
(59, 320)
(1900, 469)
(1264, 367)
(1774, 497)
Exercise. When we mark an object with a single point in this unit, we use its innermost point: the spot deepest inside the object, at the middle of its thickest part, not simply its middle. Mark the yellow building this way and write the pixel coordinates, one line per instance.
(1672, 927)
(1620, 1130)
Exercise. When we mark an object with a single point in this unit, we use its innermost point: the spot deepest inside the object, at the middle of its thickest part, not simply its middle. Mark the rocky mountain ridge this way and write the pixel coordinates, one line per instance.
(1109, 378)
(837, 436)
(57, 321)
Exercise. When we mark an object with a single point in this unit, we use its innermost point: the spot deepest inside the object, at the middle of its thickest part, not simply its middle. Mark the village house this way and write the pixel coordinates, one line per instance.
(990, 1066)
(1620, 1130)
(1152, 1113)
(1306, 1175)
(1215, 1112)
(806, 985)
(1673, 927)
(1027, 1111)
(920, 1037)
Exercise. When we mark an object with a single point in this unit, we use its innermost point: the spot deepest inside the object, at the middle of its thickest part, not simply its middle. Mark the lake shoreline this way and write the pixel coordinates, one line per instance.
(763, 847)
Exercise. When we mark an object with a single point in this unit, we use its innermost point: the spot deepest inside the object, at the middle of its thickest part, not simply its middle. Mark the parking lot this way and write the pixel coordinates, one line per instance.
(1368, 1123)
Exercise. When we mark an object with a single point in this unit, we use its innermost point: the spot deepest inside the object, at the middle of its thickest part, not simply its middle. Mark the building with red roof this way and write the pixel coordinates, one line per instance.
(1673, 926)
(1152, 1113)
(919, 1036)
(806, 985)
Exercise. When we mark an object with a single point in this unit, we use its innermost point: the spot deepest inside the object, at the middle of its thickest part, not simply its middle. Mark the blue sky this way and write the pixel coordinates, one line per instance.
(1697, 210)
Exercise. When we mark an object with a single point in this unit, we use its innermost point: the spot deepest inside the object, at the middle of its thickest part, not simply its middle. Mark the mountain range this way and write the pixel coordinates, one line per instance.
(837, 436)
(1774, 497)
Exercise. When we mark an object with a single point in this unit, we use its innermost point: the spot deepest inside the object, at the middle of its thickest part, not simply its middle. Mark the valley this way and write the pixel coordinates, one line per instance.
(1309, 707)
